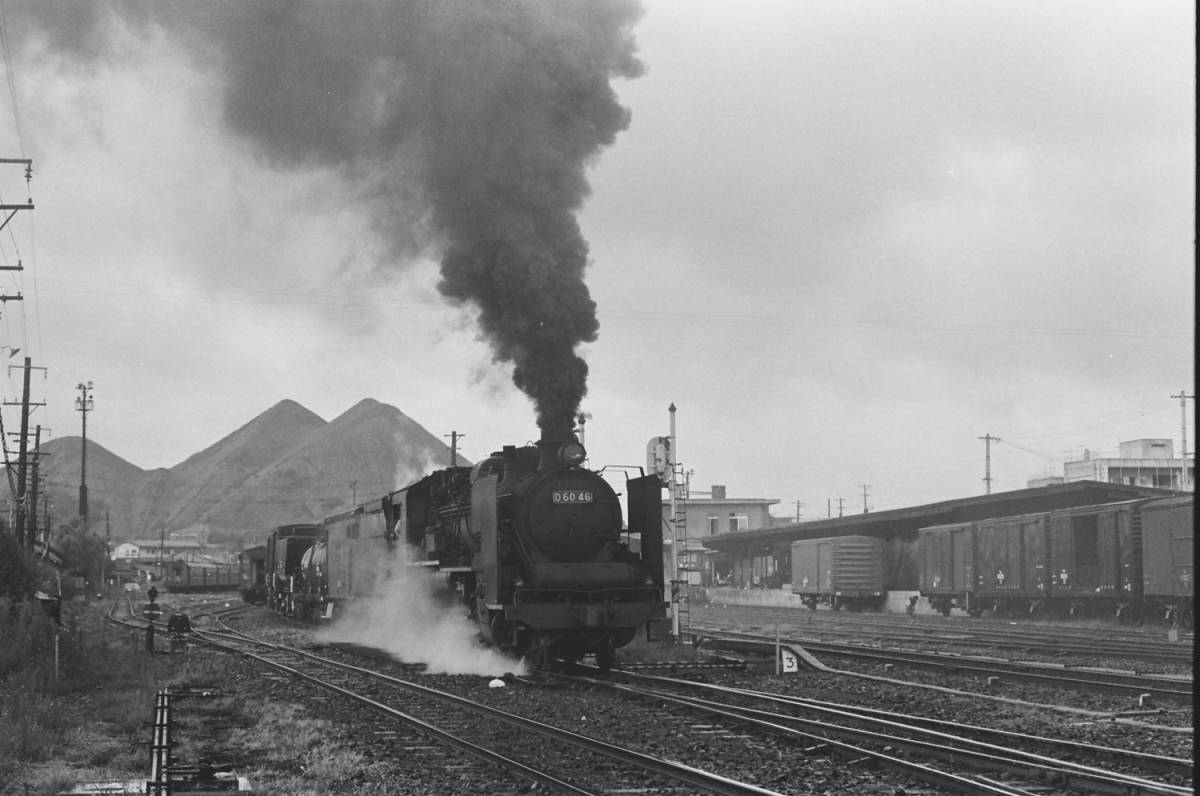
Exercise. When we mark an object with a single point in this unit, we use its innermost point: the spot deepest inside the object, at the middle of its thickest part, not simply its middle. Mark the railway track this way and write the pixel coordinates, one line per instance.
(1035, 638)
(509, 751)
(521, 747)
(939, 753)
(1145, 689)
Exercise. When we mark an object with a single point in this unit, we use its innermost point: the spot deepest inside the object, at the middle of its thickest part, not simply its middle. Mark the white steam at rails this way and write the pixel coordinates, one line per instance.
(416, 619)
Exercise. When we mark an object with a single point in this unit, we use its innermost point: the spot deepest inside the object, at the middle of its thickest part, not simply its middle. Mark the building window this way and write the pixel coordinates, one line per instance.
(738, 522)
(714, 525)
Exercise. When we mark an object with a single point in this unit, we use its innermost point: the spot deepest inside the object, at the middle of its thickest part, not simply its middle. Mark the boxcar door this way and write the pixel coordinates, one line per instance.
(1085, 545)
(1032, 570)
(824, 566)
(1108, 565)
(962, 554)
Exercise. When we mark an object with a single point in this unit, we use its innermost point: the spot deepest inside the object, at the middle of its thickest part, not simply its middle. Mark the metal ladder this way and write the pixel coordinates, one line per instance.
(682, 564)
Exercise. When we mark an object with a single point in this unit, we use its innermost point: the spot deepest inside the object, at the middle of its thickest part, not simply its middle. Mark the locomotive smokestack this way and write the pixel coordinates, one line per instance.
(551, 441)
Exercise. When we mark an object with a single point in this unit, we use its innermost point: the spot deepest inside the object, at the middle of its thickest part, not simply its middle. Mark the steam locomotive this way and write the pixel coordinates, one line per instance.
(530, 542)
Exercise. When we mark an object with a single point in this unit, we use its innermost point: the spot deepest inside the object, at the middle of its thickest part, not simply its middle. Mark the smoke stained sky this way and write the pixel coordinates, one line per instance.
(845, 239)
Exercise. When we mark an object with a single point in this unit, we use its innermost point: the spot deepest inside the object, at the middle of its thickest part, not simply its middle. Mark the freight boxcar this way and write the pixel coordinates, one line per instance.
(1129, 560)
(1010, 564)
(946, 565)
(841, 571)
(1168, 574)
(190, 576)
(1092, 559)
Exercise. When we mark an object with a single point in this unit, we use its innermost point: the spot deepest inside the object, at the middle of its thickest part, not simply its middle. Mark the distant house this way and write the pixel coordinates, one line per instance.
(152, 549)
(197, 532)
(701, 515)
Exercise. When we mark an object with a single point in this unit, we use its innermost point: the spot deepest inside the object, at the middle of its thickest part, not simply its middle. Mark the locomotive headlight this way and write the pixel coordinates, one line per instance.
(572, 453)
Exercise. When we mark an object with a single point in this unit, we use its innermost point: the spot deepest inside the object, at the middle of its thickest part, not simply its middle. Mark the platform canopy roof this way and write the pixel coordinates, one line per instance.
(906, 521)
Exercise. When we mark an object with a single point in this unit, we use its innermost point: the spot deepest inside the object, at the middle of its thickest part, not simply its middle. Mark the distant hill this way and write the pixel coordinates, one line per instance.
(286, 465)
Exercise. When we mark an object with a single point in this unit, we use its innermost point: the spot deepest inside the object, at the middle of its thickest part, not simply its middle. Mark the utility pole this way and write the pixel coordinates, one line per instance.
(353, 493)
(454, 438)
(46, 506)
(31, 517)
(841, 505)
(107, 553)
(22, 499)
(84, 404)
(987, 478)
(1183, 396)
(798, 505)
(12, 210)
(675, 581)
(22, 465)
(864, 488)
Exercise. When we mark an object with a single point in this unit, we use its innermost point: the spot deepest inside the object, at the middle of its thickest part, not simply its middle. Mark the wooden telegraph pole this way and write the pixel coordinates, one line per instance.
(23, 539)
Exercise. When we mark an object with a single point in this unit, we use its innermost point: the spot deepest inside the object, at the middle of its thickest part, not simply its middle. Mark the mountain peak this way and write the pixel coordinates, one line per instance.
(285, 465)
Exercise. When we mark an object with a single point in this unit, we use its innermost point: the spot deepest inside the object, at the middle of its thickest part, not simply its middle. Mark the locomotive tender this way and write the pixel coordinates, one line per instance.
(282, 571)
(252, 571)
(529, 541)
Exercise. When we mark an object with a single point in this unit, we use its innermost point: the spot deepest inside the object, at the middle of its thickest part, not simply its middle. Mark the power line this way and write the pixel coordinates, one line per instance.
(145, 290)
(1095, 421)
(12, 80)
(1012, 444)
(810, 320)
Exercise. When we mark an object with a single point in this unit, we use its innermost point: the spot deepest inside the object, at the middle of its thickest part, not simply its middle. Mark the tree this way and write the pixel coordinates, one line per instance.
(18, 572)
(82, 551)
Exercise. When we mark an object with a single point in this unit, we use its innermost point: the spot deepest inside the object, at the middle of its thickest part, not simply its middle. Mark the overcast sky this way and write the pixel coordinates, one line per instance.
(845, 239)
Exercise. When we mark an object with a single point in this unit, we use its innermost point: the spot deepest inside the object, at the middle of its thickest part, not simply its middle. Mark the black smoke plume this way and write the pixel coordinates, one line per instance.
(467, 124)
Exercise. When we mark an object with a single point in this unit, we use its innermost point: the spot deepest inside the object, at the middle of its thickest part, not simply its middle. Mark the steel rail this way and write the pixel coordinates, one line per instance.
(1052, 674)
(956, 783)
(1173, 766)
(707, 781)
(1057, 640)
(937, 743)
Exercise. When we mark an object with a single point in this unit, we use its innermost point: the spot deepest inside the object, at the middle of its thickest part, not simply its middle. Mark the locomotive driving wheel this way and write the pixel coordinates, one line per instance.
(539, 651)
(606, 654)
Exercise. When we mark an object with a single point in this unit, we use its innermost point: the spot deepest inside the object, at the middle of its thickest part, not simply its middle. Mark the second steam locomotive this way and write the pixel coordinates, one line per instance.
(532, 543)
